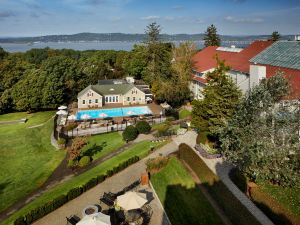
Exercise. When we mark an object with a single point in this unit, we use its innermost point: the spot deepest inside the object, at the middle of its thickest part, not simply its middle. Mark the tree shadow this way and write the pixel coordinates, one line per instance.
(3, 185)
(94, 149)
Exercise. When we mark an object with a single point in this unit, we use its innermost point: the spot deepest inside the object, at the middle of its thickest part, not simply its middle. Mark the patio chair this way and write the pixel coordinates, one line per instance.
(106, 199)
(73, 220)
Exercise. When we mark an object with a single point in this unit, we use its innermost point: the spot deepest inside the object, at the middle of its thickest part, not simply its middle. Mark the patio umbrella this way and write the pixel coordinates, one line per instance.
(62, 112)
(102, 115)
(72, 117)
(62, 107)
(95, 219)
(85, 116)
(131, 200)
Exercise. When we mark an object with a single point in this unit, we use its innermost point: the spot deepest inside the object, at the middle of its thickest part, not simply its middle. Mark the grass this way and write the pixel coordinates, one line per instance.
(140, 149)
(103, 144)
(27, 157)
(182, 199)
(184, 113)
(288, 197)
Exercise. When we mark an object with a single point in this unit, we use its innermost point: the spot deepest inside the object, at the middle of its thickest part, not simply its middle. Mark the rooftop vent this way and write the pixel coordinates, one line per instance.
(111, 89)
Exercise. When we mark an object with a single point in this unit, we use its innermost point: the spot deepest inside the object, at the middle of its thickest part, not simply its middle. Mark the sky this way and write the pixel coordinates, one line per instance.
(231, 17)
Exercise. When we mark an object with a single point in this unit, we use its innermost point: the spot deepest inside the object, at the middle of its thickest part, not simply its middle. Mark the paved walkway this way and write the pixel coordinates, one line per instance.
(113, 184)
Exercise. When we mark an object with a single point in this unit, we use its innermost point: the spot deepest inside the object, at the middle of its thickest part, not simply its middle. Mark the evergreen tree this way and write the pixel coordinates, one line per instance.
(152, 32)
(262, 138)
(211, 37)
(221, 97)
(275, 36)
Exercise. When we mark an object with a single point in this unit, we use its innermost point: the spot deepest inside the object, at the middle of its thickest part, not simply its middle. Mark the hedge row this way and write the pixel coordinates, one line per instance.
(233, 208)
(272, 208)
(50, 206)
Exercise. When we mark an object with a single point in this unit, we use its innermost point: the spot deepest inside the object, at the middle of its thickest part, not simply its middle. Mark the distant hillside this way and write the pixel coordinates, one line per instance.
(127, 37)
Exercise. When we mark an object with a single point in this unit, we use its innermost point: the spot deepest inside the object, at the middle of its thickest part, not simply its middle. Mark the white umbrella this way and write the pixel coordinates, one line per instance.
(62, 112)
(85, 116)
(95, 219)
(72, 117)
(62, 107)
(131, 200)
(102, 115)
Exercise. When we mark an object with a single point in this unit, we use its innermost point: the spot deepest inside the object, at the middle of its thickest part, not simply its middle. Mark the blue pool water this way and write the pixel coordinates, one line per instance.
(115, 112)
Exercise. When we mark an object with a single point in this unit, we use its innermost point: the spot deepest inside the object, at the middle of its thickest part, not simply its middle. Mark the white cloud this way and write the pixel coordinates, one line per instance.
(244, 20)
(199, 21)
(169, 18)
(150, 17)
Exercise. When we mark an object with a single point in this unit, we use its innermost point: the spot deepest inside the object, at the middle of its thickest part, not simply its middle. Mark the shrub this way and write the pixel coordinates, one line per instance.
(184, 125)
(72, 163)
(156, 164)
(20, 221)
(91, 183)
(61, 141)
(143, 127)
(71, 126)
(130, 133)
(84, 161)
(74, 192)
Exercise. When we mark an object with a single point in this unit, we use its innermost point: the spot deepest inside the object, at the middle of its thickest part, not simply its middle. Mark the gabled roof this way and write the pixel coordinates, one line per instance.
(108, 89)
(240, 62)
(205, 59)
(282, 54)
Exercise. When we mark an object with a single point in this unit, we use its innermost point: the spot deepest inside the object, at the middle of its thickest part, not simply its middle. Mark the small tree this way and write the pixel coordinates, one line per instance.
(75, 149)
(211, 37)
(143, 127)
(152, 31)
(275, 36)
(130, 133)
(221, 97)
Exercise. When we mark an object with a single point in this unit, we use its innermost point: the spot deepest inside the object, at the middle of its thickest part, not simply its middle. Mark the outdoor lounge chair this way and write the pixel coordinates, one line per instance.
(106, 199)
(73, 219)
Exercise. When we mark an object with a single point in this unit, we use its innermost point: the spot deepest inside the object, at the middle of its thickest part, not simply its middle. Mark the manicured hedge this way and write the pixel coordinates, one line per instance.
(233, 208)
(130, 133)
(50, 206)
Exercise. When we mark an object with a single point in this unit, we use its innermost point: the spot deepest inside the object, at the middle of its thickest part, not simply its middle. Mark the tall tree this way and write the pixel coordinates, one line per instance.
(275, 36)
(211, 37)
(221, 97)
(152, 31)
(262, 139)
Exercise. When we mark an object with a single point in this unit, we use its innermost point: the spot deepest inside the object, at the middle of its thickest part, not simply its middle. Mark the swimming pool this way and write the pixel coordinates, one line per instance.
(114, 112)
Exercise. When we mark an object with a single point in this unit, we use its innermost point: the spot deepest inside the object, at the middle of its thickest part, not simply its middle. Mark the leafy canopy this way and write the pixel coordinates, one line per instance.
(262, 138)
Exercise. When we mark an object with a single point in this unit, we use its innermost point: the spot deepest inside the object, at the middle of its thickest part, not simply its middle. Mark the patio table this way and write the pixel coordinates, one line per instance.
(90, 209)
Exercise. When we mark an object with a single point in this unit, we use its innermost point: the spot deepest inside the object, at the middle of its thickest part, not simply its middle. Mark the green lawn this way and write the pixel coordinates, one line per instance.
(140, 149)
(289, 197)
(27, 157)
(183, 201)
(183, 113)
(103, 144)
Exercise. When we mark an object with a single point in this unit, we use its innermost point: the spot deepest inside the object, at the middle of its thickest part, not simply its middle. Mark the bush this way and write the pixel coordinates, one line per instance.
(143, 127)
(20, 221)
(236, 211)
(130, 133)
(156, 164)
(84, 161)
(74, 192)
(184, 125)
(71, 126)
(91, 183)
(61, 141)
(72, 163)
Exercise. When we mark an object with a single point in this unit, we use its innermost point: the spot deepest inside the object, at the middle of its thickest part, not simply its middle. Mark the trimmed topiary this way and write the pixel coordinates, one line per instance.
(84, 161)
(143, 127)
(130, 133)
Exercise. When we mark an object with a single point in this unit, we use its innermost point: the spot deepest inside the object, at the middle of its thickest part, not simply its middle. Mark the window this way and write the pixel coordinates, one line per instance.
(128, 99)
(106, 99)
(117, 98)
(90, 101)
(83, 102)
(113, 99)
(133, 99)
(96, 100)
(109, 98)
(140, 99)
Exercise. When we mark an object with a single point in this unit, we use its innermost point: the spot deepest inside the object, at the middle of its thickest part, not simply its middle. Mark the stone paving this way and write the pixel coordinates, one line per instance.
(113, 184)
